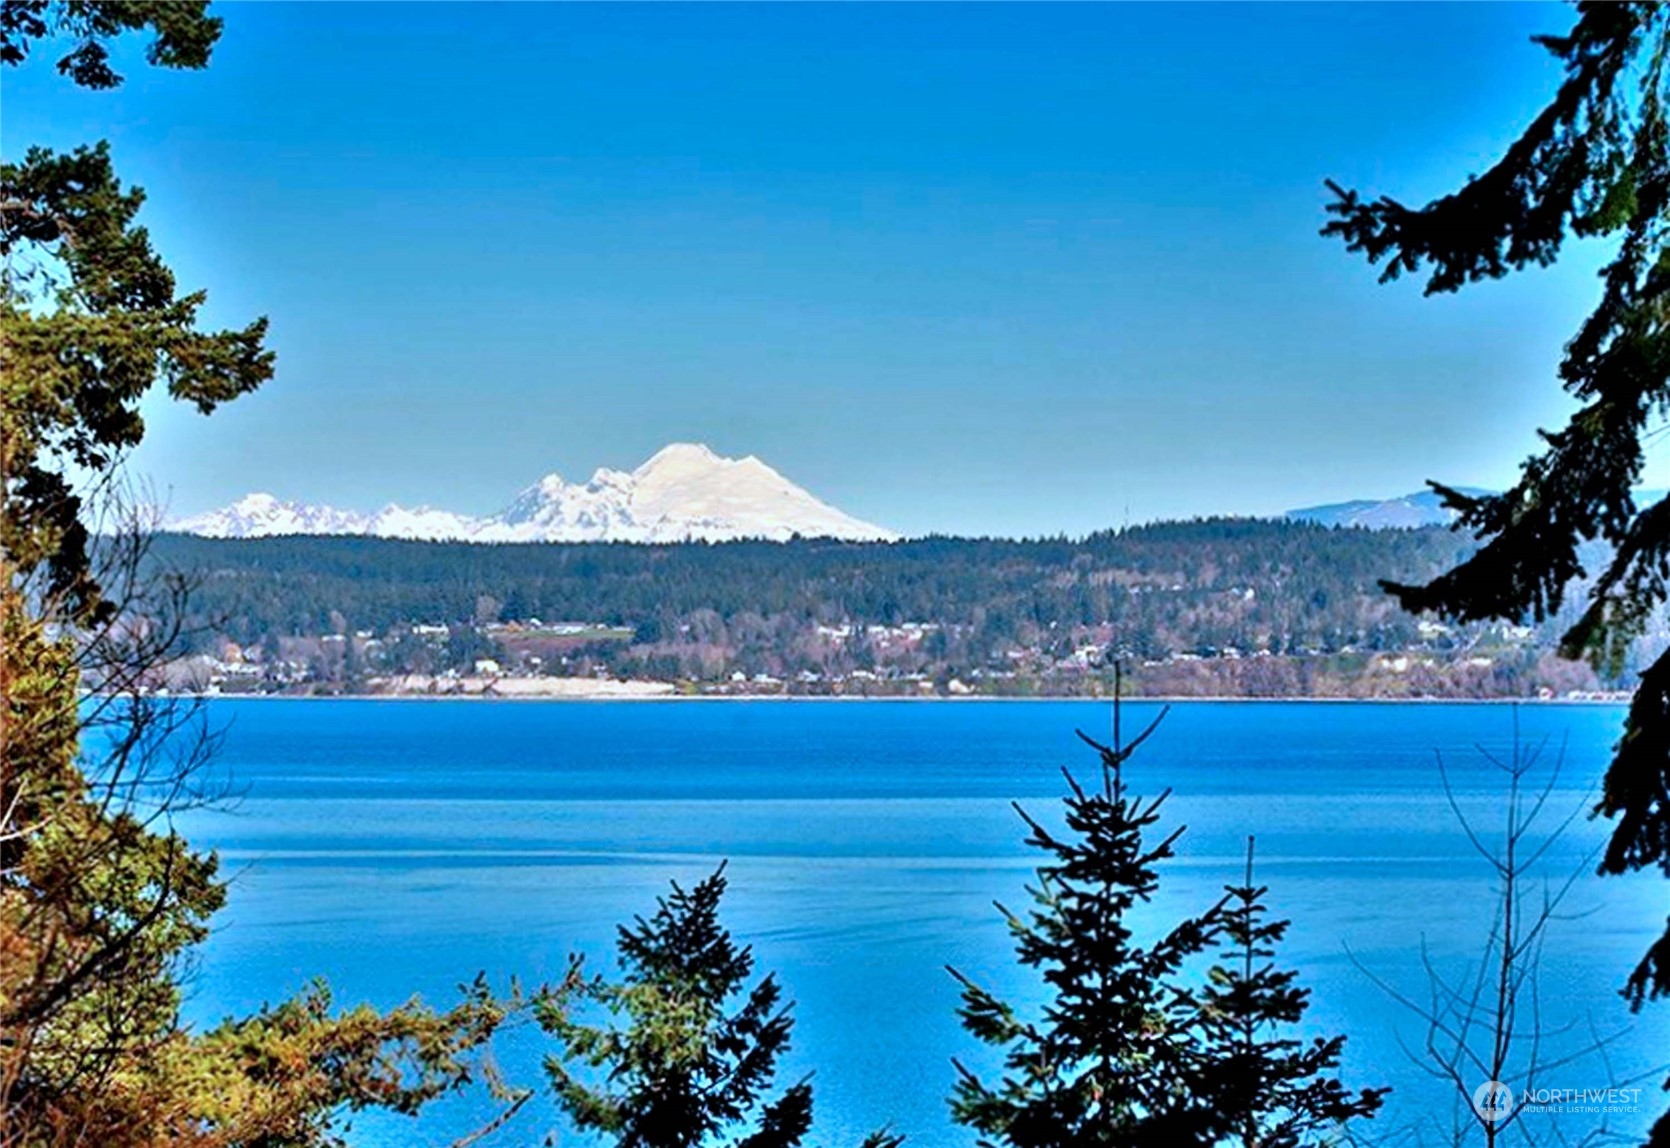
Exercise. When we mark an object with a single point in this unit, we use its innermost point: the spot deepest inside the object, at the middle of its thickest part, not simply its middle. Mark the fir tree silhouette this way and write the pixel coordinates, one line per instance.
(1130, 1048)
(690, 1067)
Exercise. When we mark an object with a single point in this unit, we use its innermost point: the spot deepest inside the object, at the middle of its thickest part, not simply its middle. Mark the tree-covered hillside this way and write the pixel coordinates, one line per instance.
(1286, 601)
(1171, 586)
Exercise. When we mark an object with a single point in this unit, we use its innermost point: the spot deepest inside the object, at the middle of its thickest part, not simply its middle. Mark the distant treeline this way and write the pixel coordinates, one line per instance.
(1214, 606)
(1174, 587)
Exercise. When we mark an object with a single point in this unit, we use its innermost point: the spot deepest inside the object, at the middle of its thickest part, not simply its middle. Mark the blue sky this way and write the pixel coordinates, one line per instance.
(989, 269)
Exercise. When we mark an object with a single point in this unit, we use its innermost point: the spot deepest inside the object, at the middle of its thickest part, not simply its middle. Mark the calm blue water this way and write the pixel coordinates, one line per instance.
(399, 847)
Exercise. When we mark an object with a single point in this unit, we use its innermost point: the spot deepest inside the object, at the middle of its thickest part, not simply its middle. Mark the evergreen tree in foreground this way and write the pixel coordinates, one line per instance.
(1594, 164)
(1273, 1087)
(691, 1066)
(1129, 1049)
(102, 902)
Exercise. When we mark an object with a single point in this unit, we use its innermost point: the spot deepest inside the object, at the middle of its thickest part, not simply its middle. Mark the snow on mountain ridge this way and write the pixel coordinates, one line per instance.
(683, 492)
(1421, 508)
(261, 514)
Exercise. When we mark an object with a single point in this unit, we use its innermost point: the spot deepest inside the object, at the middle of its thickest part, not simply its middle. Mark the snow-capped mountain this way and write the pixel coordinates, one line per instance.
(260, 514)
(685, 492)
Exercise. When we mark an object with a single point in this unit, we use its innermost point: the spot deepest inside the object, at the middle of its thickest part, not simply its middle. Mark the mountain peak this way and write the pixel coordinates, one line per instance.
(681, 456)
(256, 499)
(683, 492)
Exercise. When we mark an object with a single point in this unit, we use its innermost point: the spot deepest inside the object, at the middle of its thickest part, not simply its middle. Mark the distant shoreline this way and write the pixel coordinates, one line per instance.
(637, 699)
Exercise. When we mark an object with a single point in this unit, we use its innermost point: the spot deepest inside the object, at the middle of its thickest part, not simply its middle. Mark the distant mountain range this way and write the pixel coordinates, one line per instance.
(685, 492)
(1423, 508)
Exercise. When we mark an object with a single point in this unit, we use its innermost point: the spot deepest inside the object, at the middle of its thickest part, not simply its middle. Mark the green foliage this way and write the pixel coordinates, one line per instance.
(286, 1074)
(689, 1067)
(702, 610)
(1278, 1085)
(92, 321)
(1594, 163)
(95, 908)
(91, 314)
(1128, 1049)
(183, 33)
(101, 902)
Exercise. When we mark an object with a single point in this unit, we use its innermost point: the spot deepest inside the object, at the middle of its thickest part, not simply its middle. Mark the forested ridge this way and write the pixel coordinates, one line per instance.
(996, 610)
(1143, 1026)
(1314, 580)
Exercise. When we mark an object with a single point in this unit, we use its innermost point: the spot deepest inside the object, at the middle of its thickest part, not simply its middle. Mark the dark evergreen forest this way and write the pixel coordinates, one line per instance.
(1192, 597)
(1168, 587)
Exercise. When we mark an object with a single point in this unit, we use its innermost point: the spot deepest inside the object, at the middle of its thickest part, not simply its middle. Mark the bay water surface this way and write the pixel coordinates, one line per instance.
(400, 847)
